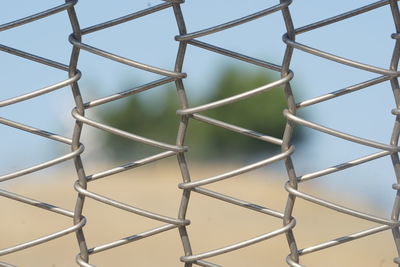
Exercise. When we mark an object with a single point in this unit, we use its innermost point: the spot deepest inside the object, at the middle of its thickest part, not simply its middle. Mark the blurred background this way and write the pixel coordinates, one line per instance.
(365, 38)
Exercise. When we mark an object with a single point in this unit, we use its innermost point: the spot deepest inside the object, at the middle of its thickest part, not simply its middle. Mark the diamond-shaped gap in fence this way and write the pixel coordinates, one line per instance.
(308, 66)
(126, 59)
(24, 37)
(262, 112)
(109, 11)
(151, 188)
(104, 77)
(223, 63)
(261, 187)
(50, 187)
(311, 234)
(245, 106)
(271, 251)
(150, 39)
(231, 146)
(220, 226)
(17, 12)
(142, 184)
(336, 39)
(163, 249)
(249, 102)
(341, 152)
(148, 118)
(127, 228)
(263, 34)
(45, 113)
(36, 77)
(22, 179)
(204, 52)
(362, 65)
(373, 122)
(328, 95)
(364, 184)
(39, 139)
(227, 20)
(62, 254)
(360, 215)
(363, 143)
(30, 221)
(246, 72)
(215, 16)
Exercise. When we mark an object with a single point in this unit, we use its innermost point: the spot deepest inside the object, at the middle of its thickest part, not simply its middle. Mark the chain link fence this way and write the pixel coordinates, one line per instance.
(176, 76)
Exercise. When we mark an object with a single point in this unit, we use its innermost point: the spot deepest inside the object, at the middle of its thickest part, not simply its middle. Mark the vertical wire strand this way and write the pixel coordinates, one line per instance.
(287, 137)
(180, 140)
(396, 129)
(83, 255)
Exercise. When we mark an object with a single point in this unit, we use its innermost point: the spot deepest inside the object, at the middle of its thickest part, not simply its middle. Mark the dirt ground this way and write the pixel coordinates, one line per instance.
(214, 223)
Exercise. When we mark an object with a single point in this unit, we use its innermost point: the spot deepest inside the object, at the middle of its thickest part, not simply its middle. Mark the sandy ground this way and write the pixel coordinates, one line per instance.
(214, 223)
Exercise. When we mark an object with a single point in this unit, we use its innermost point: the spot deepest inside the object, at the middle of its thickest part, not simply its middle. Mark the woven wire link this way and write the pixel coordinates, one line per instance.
(187, 113)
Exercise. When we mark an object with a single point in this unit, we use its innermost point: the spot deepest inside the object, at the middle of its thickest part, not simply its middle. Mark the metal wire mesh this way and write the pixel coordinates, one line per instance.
(187, 113)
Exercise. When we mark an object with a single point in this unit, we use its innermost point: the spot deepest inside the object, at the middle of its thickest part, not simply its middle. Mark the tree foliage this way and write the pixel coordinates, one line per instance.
(157, 120)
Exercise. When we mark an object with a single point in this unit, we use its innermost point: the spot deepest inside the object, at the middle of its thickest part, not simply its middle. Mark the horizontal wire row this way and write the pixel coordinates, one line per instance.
(187, 114)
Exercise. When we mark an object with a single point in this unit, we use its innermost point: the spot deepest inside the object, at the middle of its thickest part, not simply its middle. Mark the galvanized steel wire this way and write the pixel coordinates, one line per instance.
(176, 75)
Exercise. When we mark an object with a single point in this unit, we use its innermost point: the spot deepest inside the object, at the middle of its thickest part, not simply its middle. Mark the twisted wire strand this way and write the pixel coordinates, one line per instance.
(287, 137)
(181, 134)
(72, 70)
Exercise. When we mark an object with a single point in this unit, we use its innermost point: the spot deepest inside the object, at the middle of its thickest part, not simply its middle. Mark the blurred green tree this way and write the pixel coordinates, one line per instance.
(262, 113)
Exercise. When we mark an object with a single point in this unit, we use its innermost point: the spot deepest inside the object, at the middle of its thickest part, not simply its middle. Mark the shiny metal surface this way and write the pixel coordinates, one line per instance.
(176, 75)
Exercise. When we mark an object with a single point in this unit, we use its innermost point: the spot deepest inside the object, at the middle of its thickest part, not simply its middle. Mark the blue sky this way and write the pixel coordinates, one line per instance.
(365, 38)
